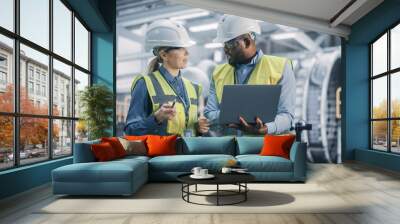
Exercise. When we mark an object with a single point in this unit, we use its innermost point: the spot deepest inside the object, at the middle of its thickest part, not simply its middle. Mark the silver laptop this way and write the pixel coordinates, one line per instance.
(249, 101)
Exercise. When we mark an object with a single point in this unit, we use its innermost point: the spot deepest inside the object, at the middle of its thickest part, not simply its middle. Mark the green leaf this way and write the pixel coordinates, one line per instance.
(97, 103)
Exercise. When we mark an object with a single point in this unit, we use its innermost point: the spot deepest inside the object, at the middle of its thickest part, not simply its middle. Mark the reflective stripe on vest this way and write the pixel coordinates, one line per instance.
(268, 71)
(161, 92)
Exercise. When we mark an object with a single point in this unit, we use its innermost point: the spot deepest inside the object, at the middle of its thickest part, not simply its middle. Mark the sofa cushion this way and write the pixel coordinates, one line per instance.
(185, 163)
(103, 152)
(135, 137)
(116, 145)
(277, 145)
(249, 145)
(136, 147)
(257, 163)
(208, 145)
(130, 158)
(112, 171)
(83, 152)
(161, 145)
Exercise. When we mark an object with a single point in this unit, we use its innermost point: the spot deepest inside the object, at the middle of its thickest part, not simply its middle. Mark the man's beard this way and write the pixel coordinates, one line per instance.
(238, 59)
(233, 59)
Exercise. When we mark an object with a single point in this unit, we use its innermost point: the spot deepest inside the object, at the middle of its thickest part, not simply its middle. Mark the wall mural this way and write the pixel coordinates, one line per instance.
(316, 61)
(318, 103)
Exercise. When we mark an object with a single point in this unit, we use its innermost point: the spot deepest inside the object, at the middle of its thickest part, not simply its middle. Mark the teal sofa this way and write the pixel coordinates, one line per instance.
(125, 176)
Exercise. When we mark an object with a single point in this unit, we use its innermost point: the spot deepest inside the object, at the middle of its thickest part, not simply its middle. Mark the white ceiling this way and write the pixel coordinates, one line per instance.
(133, 17)
(316, 15)
(320, 9)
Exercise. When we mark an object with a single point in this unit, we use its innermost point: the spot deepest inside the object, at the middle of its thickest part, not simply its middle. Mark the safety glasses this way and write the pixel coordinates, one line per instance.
(172, 48)
(229, 45)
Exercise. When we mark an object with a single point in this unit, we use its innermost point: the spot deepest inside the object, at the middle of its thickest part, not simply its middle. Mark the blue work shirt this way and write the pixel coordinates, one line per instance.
(286, 106)
(140, 119)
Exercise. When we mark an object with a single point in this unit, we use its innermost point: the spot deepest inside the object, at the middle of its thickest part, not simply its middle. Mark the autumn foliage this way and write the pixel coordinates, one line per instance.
(33, 131)
(380, 127)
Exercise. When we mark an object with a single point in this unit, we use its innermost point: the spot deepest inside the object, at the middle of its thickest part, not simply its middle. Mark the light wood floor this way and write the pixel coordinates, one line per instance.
(378, 188)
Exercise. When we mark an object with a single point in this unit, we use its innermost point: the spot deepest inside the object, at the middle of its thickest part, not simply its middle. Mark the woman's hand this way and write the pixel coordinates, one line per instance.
(203, 125)
(165, 112)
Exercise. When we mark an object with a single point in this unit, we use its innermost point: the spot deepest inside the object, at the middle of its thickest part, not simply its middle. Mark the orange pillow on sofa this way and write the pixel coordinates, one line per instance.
(277, 145)
(116, 145)
(136, 137)
(103, 152)
(161, 145)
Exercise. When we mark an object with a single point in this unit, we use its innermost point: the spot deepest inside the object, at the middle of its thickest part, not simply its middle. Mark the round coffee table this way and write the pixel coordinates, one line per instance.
(238, 179)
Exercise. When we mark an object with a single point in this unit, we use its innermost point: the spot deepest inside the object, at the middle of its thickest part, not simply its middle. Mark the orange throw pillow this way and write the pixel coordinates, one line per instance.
(135, 138)
(277, 145)
(161, 145)
(103, 152)
(116, 145)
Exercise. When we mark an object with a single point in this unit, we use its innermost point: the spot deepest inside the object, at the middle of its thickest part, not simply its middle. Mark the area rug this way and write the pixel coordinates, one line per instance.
(167, 198)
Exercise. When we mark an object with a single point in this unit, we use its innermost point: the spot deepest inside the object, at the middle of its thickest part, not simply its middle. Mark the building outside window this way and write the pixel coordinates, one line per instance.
(30, 72)
(30, 87)
(43, 77)
(3, 61)
(385, 94)
(3, 81)
(55, 96)
(37, 75)
(3, 72)
(43, 90)
(3, 78)
(38, 89)
(56, 128)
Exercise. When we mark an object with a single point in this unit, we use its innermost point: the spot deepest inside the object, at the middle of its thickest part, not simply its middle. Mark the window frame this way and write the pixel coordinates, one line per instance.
(388, 74)
(3, 69)
(16, 114)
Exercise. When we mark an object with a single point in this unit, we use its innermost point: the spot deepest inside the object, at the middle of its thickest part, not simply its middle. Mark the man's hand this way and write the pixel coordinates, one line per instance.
(165, 112)
(259, 128)
(203, 125)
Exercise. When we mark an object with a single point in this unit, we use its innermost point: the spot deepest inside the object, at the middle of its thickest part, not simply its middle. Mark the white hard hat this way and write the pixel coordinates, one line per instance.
(231, 26)
(165, 33)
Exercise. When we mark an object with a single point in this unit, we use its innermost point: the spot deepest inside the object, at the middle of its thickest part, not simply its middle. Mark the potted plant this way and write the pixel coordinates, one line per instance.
(96, 103)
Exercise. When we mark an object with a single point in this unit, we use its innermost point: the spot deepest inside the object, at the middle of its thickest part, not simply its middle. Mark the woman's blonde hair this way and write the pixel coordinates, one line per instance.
(154, 63)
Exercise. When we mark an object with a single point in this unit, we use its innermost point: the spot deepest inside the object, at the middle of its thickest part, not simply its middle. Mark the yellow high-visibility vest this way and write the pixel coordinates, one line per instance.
(161, 92)
(268, 71)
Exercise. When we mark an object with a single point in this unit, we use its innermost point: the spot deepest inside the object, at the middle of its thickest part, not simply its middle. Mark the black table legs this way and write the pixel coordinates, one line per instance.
(217, 194)
(220, 193)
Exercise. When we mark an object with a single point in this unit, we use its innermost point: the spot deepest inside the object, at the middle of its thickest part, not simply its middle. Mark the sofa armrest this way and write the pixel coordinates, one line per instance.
(298, 157)
(83, 152)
